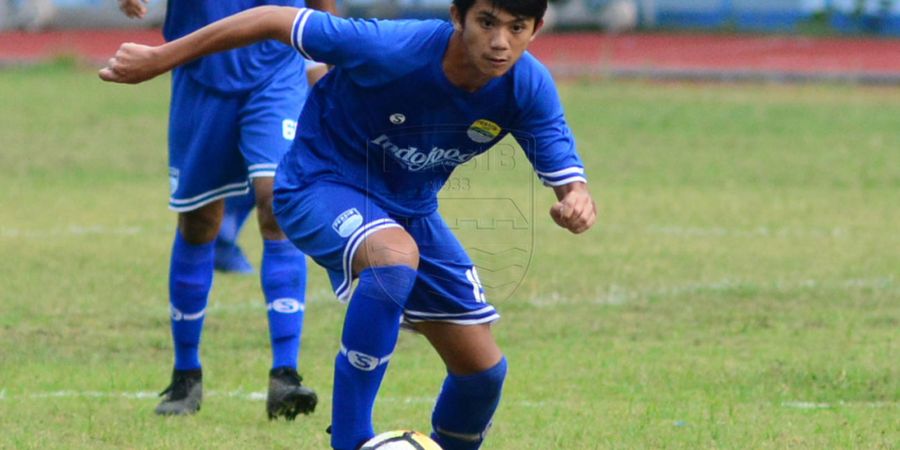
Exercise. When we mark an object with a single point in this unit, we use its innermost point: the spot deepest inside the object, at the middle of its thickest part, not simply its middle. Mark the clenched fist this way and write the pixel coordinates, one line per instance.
(132, 64)
(575, 210)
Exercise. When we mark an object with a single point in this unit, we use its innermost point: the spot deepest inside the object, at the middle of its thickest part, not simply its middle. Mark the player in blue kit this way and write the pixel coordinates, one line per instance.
(229, 257)
(232, 117)
(406, 103)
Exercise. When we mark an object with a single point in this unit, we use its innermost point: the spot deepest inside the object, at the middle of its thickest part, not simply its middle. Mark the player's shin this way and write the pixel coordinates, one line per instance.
(283, 279)
(465, 407)
(190, 279)
(368, 340)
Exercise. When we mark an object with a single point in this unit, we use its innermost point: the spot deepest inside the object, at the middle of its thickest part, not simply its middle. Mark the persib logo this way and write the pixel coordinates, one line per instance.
(347, 222)
(415, 161)
(483, 131)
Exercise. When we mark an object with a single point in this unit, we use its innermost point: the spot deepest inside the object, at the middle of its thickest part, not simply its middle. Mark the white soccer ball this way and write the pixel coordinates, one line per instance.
(401, 440)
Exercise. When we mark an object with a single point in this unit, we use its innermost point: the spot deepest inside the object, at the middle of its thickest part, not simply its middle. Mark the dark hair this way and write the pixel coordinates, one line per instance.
(524, 8)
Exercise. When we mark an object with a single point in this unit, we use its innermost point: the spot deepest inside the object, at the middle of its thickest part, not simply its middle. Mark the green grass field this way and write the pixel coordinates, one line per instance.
(740, 290)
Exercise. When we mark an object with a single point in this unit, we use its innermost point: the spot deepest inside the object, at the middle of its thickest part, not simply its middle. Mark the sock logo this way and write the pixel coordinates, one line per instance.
(285, 305)
(177, 315)
(362, 361)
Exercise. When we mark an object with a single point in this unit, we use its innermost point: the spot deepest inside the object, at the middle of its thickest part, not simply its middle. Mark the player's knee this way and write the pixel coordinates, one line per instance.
(403, 255)
(201, 225)
(390, 247)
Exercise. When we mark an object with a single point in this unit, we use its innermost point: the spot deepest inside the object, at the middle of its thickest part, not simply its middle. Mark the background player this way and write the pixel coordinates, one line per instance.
(232, 116)
(407, 102)
(230, 258)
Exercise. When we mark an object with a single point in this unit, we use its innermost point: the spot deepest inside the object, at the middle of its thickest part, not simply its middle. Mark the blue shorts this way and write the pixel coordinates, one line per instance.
(328, 221)
(219, 141)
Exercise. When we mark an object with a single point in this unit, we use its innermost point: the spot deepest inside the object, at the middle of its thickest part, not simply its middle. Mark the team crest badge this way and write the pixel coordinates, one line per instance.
(347, 222)
(173, 179)
(483, 131)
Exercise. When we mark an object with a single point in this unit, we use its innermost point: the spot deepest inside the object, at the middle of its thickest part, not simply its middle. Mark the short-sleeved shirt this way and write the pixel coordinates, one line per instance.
(237, 70)
(387, 120)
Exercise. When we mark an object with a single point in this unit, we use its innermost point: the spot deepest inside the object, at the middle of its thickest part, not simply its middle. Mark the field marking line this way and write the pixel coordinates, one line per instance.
(655, 229)
(614, 294)
(259, 396)
(821, 405)
(757, 231)
(806, 405)
(72, 230)
(254, 396)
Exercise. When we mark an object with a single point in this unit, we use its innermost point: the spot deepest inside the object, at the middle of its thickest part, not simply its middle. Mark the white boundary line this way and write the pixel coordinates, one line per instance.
(618, 295)
(237, 394)
(258, 396)
(655, 229)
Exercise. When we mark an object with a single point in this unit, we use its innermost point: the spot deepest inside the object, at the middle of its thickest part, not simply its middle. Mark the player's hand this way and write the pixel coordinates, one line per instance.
(575, 210)
(132, 64)
(134, 8)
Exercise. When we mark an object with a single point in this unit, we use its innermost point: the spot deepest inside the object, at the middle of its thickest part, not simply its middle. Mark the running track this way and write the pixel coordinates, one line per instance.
(666, 56)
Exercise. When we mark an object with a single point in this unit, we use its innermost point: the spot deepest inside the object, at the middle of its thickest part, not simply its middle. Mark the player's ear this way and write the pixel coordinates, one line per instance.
(537, 27)
(454, 18)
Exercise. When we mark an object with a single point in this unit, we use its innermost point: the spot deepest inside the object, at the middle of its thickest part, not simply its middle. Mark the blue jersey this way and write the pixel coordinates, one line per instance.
(386, 119)
(236, 70)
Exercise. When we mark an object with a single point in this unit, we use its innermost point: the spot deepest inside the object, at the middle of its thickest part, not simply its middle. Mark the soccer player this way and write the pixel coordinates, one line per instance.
(229, 257)
(406, 102)
(232, 117)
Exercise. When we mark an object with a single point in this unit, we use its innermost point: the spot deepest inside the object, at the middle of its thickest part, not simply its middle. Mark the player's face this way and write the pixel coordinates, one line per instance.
(495, 39)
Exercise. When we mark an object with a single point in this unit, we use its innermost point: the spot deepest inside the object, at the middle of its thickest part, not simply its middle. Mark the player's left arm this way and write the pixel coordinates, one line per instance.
(575, 209)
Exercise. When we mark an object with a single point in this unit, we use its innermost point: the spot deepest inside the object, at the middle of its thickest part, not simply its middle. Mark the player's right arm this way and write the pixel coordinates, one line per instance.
(135, 63)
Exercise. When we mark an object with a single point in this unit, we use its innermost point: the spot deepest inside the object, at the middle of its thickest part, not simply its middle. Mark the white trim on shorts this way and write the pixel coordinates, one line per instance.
(490, 315)
(190, 204)
(262, 170)
(343, 290)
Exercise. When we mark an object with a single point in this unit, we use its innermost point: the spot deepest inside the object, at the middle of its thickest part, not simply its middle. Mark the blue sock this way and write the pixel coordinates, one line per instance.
(237, 209)
(190, 279)
(283, 278)
(465, 407)
(369, 337)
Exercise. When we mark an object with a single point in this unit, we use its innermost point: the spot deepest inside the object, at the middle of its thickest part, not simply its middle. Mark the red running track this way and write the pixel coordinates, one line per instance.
(654, 55)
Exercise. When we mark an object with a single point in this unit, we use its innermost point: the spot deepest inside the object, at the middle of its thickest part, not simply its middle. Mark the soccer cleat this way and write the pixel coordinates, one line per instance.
(230, 258)
(184, 394)
(287, 397)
